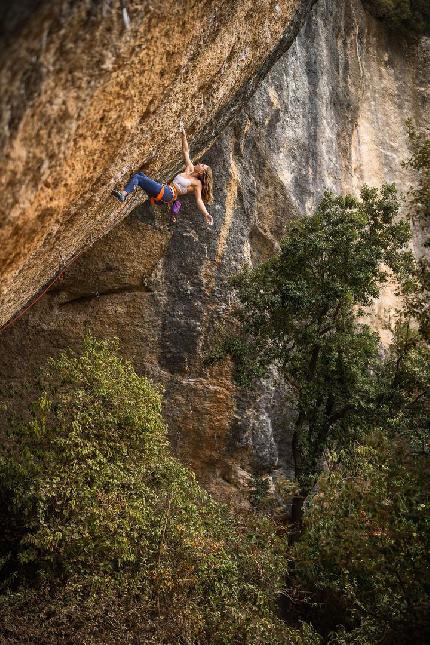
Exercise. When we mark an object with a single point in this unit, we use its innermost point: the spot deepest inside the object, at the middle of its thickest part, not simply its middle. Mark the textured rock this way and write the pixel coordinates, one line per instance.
(330, 114)
(84, 101)
(337, 112)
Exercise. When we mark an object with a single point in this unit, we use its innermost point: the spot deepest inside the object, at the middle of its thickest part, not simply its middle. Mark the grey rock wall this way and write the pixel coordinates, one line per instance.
(337, 103)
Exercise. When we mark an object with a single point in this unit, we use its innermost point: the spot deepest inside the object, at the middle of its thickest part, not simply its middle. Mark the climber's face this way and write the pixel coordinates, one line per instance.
(200, 168)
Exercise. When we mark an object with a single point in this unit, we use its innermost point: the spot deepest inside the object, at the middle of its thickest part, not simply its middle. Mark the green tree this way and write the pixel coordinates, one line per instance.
(301, 311)
(105, 537)
(362, 554)
(365, 547)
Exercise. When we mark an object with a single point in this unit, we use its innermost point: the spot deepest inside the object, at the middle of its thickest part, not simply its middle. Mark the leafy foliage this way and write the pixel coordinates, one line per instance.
(402, 401)
(106, 537)
(361, 561)
(417, 291)
(420, 162)
(301, 309)
(366, 543)
(409, 17)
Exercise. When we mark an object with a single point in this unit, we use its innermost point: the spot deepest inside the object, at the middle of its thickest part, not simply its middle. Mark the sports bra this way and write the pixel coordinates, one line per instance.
(181, 183)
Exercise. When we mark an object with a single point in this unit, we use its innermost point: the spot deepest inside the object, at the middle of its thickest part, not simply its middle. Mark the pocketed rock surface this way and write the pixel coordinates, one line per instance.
(85, 101)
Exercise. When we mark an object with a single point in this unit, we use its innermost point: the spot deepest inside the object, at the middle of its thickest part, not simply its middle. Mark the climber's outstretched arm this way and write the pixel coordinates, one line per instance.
(185, 150)
(201, 205)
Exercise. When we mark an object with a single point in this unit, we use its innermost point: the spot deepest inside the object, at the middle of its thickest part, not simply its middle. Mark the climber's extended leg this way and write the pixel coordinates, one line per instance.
(150, 186)
(121, 195)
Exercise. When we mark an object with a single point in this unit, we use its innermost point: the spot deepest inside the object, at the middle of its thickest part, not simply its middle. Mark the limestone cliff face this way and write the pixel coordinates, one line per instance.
(329, 115)
(85, 101)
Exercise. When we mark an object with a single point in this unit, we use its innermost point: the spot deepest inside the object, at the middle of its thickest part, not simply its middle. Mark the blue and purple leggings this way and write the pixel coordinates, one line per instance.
(151, 187)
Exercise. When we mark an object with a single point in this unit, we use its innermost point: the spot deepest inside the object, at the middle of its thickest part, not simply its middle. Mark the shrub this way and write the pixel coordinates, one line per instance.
(366, 541)
(107, 538)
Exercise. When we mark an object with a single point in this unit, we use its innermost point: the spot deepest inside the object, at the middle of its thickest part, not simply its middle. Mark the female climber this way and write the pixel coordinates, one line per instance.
(196, 179)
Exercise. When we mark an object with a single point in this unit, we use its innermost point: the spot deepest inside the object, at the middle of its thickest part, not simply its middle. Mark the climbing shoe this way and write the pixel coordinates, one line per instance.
(118, 194)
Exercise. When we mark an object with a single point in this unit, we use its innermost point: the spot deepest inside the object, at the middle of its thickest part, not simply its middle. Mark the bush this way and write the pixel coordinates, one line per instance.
(366, 541)
(107, 538)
